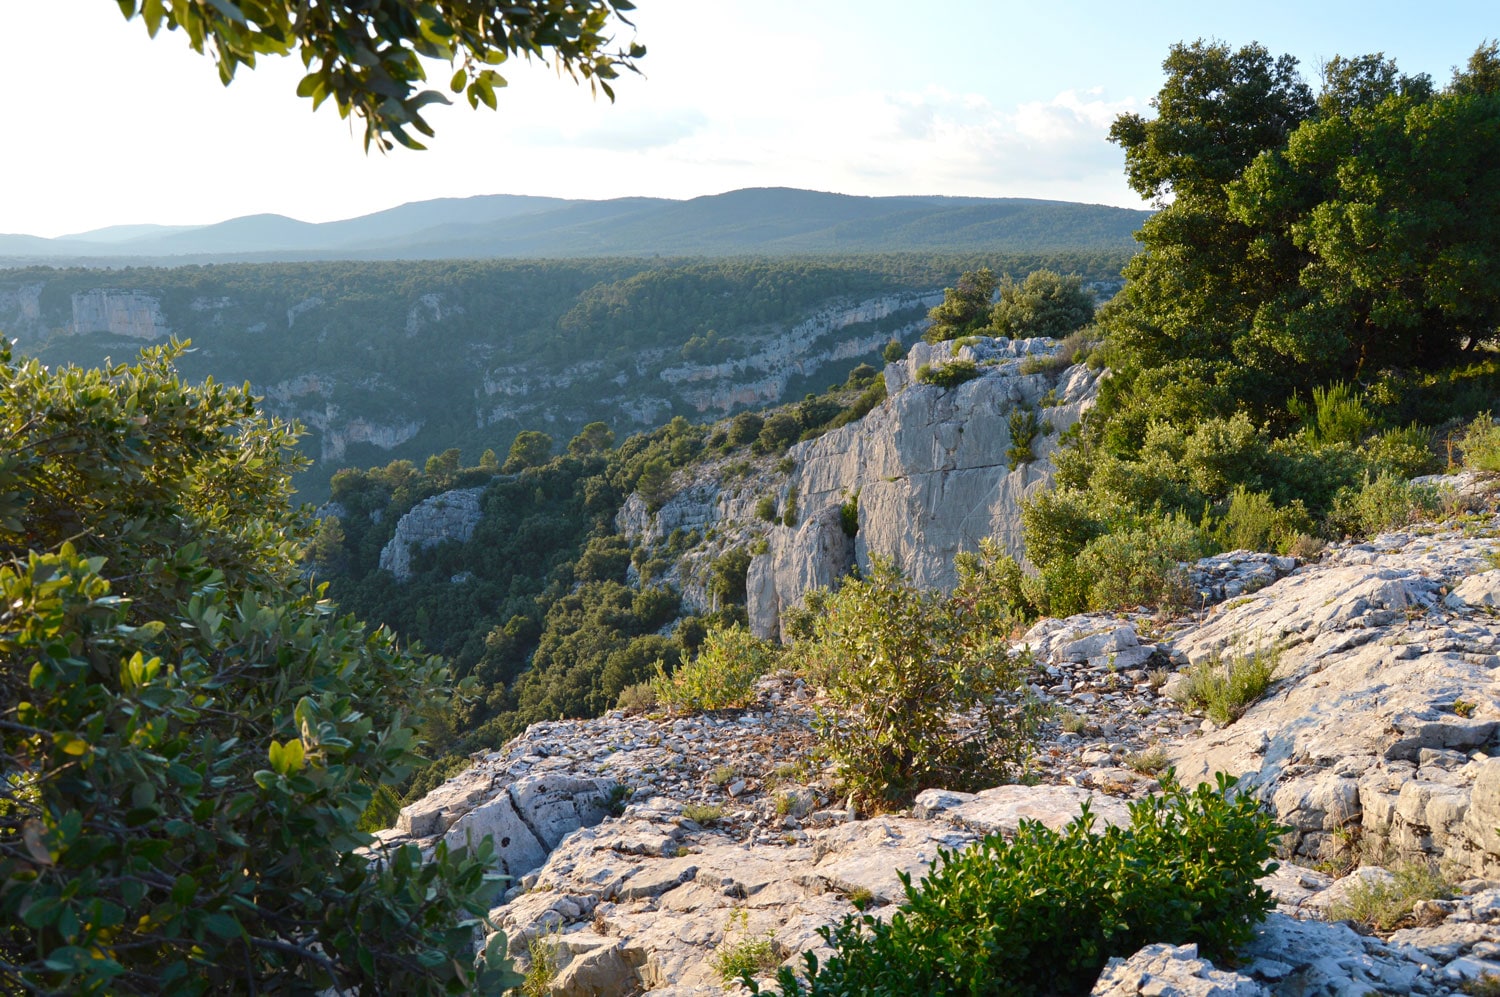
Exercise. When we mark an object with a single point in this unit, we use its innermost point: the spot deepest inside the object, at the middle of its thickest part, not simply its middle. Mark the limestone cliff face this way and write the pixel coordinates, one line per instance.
(653, 385)
(761, 377)
(21, 310)
(119, 313)
(930, 469)
(708, 503)
(449, 516)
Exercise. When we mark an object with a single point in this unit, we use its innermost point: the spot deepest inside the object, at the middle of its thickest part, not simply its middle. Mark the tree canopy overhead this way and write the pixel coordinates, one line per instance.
(367, 56)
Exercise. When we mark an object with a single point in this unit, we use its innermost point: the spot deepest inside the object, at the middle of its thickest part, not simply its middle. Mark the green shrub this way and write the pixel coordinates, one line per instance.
(1405, 451)
(789, 515)
(1140, 565)
(861, 406)
(779, 432)
(1226, 689)
(639, 697)
(1219, 454)
(723, 676)
(745, 428)
(1384, 502)
(1384, 906)
(893, 351)
(1042, 913)
(1024, 429)
(1058, 524)
(1480, 444)
(849, 516)
(895, 664)
(1337, 414)
(1254, 522)
(948, 375)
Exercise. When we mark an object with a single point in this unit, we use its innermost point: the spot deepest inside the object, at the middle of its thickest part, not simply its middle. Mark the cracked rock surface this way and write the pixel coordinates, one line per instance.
(1377, 742)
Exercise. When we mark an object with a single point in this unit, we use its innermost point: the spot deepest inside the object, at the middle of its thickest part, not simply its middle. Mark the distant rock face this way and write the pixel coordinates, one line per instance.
(930, 469)
(762, 377)
(119, 313)
(21, 310)
(449, 516)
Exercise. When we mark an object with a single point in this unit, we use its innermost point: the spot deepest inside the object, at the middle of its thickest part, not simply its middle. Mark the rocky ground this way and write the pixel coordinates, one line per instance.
(1375, 745)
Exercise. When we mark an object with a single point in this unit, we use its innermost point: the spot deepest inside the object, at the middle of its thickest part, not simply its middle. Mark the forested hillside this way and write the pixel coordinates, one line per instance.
(385, 360)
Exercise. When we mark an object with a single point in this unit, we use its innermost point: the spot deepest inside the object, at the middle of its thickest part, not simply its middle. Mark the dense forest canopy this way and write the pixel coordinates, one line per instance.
(402, 360)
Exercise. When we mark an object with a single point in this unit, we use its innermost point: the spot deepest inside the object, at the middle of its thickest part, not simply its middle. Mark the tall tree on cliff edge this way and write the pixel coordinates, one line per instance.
(368, 56)
(1302, 239)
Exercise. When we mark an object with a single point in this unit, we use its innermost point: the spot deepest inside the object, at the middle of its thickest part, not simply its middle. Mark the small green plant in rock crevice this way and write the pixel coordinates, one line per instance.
(1385, 905)
(849, 515)
(542, 950)
(1025, 427)
(744, 958)
(1226, 689)
(1042, 913)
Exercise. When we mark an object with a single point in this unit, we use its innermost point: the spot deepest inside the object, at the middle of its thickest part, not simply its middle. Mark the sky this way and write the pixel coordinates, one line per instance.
(960, 97)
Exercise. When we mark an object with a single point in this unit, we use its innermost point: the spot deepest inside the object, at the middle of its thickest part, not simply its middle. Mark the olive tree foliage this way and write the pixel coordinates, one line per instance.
(188, 731)
(367, 56)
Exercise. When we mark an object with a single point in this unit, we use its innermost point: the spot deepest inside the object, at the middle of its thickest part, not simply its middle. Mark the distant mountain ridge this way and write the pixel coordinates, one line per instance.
(766, 220)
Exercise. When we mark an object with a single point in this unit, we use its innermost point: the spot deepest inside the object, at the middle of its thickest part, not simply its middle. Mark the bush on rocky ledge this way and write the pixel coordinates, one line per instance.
(1043, 912)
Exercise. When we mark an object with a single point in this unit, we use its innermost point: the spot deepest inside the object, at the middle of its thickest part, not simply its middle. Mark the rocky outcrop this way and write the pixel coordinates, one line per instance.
(1384, 715)
(717, 843)
(429, 309)
(1380, 731)
(338, 434)
(449, 516)
(119, 313)
(930, 471)
(1172, 969)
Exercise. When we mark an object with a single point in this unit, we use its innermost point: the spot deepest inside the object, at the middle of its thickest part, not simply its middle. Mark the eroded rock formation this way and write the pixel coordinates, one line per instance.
(449, 516)
(930, 470)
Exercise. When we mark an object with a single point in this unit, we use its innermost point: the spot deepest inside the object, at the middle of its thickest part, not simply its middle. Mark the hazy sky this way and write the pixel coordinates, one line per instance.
(993, 98)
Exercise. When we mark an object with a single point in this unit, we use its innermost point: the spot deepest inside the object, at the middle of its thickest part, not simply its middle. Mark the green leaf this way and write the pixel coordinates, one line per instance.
(184, 890)
(229, 10)
(223, 925)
